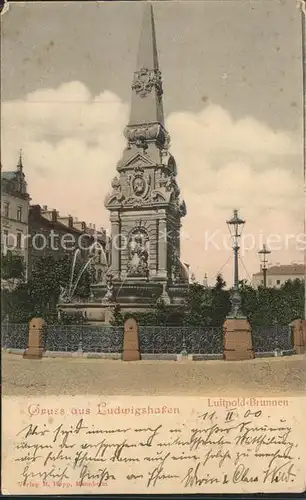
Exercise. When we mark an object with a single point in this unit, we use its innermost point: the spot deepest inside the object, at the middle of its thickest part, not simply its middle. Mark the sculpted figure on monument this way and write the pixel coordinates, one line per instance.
(109, 288)
(63, 296)
(182, 208)
(117, 189)
(170, 184)
(138, 254)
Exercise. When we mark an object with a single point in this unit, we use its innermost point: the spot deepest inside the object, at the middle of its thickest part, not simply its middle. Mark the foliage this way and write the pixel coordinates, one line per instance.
(220, 283)
(199, 302)
(210, 306)
(40, 294)
(220, 305)
(118, 318)
(266, 306)
(12, 266)
(206, 306)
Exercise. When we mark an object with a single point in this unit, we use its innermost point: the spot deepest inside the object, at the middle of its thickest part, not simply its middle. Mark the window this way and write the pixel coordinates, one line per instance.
(18, 240)
(278, 282)
(19, 213)
(6, 209)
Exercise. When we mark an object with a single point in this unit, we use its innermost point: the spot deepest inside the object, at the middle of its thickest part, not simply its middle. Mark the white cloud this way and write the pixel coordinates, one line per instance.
(214, 131)
(224, 165)
(72, 141)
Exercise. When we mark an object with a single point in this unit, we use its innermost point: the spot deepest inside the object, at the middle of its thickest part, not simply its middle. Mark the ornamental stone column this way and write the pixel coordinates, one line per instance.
(162, 248)
(115, 245)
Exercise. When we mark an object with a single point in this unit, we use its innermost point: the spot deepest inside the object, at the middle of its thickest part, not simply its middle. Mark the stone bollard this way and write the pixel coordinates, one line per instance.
(298, 336)
(36, 342)
(131, 341)
(238, 343)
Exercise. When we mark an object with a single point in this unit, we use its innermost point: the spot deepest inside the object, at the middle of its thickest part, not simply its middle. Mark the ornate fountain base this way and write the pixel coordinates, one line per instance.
(136, 295)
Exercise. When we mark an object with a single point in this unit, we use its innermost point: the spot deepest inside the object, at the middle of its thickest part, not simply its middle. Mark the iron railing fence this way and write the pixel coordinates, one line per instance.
(270, 338)
(87, 338)
(174, 340)
(14, 335)
(153, 339)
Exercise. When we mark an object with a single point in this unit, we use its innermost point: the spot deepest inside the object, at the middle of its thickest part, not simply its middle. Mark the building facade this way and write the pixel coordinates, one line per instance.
(52, 234)
(15, 203)
(278, 275)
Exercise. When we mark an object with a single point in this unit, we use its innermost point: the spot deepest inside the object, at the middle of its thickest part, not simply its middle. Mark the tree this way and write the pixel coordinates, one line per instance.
(266, 306)
(40, 295)
(12, 266)
(118, 318)
(293, 293)
(220, 283)
(249, 299)
(220, 306)
(199, 302)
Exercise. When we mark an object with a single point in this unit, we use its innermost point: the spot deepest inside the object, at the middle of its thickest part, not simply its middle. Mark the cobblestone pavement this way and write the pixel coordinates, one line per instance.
(71, 376)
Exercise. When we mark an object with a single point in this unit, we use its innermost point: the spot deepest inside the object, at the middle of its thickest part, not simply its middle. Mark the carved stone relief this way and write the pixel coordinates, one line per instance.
(138, 252)
(141, 134)
(139, 183)
(145, 80)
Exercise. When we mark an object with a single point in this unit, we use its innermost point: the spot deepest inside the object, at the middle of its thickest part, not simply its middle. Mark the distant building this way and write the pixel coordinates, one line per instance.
(15, 202)
(52, 234)
(277, 275)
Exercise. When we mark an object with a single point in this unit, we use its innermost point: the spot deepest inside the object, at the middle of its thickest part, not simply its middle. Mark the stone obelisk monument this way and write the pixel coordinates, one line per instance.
(144, 202)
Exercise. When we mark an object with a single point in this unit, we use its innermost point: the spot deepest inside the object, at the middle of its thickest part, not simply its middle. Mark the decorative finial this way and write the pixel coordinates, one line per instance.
(205, 282)
(147, 81)
(19, 164)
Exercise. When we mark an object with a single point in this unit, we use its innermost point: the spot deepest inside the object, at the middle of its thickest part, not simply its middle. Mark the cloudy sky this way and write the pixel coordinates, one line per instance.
(232, 78)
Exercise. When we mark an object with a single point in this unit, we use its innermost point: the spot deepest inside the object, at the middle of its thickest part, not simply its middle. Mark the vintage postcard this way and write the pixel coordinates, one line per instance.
(153, 305)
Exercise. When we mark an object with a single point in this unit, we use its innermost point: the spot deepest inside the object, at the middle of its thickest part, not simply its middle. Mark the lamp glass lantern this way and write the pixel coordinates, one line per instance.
(235, 225)
(263, 253)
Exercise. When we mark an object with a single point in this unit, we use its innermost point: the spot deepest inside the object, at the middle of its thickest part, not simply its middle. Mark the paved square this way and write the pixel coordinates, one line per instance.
(77, 375)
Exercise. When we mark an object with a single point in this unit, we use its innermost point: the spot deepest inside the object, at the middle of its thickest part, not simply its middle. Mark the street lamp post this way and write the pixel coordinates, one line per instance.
(235, 226)
(264, 262)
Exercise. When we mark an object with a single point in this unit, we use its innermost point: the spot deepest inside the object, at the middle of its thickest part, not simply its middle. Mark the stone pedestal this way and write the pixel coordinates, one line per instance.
(131, 341)
(298, 336)
(36, 342)
(237, 340)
